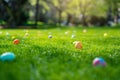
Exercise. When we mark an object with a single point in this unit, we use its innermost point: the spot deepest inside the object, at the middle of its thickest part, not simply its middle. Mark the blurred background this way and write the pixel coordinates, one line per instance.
(58, 13)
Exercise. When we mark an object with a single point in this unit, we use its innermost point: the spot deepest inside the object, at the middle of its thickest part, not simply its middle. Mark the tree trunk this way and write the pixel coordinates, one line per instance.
(36, 14)
(59, 17)
(68, 19)
(115, 12)
(84, 20)
(11, 21)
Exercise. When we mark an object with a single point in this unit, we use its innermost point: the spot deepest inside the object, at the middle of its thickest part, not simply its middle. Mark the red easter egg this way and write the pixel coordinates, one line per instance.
(16, 41)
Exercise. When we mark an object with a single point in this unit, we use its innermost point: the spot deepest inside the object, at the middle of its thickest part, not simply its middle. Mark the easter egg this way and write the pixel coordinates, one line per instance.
(8, 56)
(26, 34)
(78, 45)
(73, 36)
(7, 34)
(0, 32)
(13, 37)
(16, 41)
(99, 62)
(50, 36)
(66, 32)
(105, 34)
(84, 30)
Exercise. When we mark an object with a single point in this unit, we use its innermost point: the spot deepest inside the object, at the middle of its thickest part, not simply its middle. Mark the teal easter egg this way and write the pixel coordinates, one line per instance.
(8, 56)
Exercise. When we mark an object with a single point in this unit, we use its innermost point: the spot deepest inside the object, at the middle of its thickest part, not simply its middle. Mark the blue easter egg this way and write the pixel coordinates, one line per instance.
(8, 56)
(99, 62)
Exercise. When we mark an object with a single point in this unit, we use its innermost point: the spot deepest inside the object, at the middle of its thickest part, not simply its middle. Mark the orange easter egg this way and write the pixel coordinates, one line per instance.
(78, 45)
(16, 41)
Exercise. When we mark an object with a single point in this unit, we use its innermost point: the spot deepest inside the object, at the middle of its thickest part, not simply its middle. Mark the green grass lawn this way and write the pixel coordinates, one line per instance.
(41, 58)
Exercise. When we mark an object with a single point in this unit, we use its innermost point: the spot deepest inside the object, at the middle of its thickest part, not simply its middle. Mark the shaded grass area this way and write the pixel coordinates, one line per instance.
(40, 58)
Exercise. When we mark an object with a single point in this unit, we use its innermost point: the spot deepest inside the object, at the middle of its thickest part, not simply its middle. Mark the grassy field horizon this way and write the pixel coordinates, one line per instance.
(41, 58)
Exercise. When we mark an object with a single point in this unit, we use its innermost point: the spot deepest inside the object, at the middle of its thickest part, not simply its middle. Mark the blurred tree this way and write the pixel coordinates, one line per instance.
(55, 11)
(39, 8)
(88, 8)
(13, 12)
(60, 6)
(36, 14)
(84, 9)
(114, 6)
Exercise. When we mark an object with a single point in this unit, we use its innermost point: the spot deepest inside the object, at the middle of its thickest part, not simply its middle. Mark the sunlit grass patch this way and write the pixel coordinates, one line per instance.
(41, 58)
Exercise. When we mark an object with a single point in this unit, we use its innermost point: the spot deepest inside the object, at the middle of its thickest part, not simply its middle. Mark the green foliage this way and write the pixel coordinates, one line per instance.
(114, 5)
(15, 14)
(40, 58)
(71, 7)
(55, 11)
